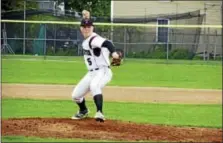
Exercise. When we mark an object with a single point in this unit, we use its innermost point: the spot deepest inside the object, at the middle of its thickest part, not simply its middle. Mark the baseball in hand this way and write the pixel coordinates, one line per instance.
(85, 14)
(115, 55)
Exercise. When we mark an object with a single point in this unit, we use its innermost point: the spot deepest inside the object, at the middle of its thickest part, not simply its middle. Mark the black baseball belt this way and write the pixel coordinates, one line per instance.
(98, 68)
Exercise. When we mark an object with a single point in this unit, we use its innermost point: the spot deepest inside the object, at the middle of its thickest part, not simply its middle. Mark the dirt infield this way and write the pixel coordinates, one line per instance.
(125, 94)
(110, 129)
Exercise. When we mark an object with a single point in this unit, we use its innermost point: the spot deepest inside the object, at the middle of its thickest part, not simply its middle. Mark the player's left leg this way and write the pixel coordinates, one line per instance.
(78, 94)
(101, 78)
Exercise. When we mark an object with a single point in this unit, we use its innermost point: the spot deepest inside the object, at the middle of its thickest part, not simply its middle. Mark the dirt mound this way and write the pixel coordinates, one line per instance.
(109, 130)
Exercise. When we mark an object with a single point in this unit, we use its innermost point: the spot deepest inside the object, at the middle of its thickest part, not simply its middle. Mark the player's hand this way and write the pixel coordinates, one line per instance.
(85, 14)
(115, 55)
(116, 59)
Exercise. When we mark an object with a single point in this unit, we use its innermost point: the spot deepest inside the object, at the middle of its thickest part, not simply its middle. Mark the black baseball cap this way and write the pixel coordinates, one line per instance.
(86, 22)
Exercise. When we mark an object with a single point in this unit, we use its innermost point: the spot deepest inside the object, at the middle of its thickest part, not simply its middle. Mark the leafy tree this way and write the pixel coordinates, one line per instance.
(98, 8)
(8, 5)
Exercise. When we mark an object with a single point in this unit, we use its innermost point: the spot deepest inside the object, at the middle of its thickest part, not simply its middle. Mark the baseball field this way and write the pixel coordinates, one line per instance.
(147, 100)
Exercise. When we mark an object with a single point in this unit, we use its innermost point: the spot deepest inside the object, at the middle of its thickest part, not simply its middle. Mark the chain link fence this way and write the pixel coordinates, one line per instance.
(136, 42)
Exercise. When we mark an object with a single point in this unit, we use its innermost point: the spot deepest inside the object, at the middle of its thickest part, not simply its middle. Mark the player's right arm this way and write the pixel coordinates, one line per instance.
(102, 42)
(108, 44)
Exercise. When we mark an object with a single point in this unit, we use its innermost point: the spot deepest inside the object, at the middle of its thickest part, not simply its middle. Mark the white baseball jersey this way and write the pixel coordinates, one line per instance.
(91, 60)
(99, 73)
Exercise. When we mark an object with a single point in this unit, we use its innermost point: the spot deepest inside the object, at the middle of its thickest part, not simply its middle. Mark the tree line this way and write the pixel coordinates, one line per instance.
(98, 8)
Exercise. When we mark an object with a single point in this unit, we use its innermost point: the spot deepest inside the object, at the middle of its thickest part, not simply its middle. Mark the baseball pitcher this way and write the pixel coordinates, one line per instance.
(96, 56)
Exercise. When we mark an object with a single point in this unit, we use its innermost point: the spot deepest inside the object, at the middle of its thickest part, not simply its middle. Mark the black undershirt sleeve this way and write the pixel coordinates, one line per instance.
(109, 45)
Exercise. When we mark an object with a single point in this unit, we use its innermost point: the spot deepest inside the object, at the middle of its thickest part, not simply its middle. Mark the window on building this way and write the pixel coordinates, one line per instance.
(162, 33)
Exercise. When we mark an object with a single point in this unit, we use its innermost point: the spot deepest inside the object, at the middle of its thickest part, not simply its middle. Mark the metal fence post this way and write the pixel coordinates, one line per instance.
(125, 34)
(215, 41)
(205, 14)
(45, 41)
(204, 44)
(24, 29)
(208, 43)
(167, 46)
(167, 51)
(55, 37)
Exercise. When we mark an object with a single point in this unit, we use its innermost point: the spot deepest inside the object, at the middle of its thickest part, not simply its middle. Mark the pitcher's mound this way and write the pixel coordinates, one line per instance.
(109, 130)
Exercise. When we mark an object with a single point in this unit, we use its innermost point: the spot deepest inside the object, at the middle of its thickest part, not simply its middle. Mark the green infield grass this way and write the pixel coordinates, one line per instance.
(148, 113)
(169, 114)
(37, 139)
(69, 70)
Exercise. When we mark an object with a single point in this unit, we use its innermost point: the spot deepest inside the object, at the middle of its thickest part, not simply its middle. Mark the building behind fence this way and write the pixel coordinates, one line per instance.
(138, 42)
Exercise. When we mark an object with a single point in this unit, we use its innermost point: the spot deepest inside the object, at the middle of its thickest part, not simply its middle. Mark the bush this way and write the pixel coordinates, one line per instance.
(159, 52)
(219, 58)
(180, 54)
(72, 51)
(60, 52)
(197, 57)
(50, 51)
(130, 55)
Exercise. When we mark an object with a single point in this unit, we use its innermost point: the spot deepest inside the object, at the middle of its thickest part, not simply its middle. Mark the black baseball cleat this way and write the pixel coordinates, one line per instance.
(99, 120)
(99, 117)
(80, 114)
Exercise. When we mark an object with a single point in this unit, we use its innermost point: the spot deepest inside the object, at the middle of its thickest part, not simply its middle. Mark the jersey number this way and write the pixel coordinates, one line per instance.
(89, 61)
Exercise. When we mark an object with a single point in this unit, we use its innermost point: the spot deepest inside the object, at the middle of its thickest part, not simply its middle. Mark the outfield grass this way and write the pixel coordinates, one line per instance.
(80, 58)
(169, 114)
(37, 139)
(69, 70)
(62, 58)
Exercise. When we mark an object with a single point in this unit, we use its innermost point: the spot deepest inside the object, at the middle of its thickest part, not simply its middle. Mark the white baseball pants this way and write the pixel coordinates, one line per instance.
(93, 81)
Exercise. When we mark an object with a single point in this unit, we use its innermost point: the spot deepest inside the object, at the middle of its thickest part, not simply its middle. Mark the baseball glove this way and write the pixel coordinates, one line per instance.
(117, 62)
